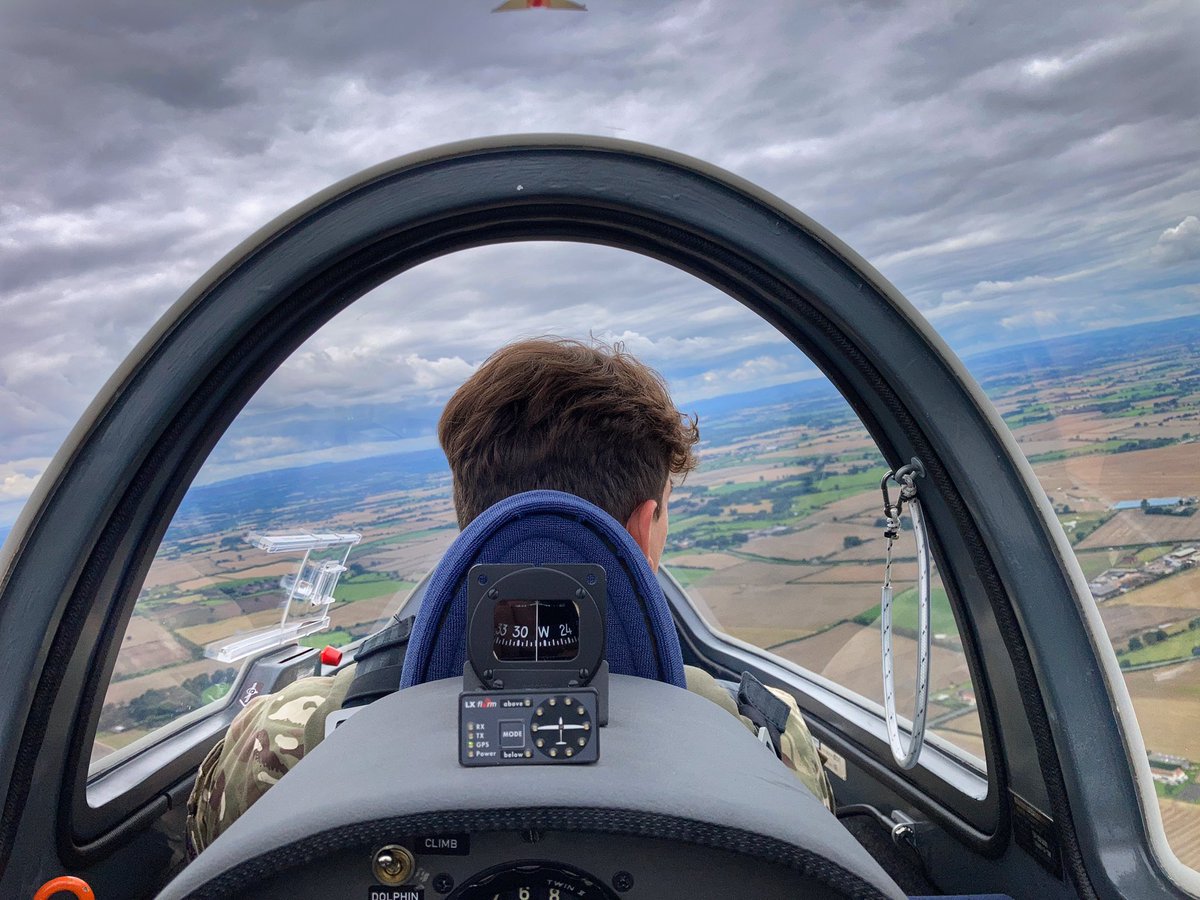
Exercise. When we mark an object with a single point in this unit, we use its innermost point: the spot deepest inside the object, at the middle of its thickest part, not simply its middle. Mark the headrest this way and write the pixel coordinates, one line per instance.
(548, 527)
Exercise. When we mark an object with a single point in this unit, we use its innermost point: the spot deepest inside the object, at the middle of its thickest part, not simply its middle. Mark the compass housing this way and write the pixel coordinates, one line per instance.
(538, 626)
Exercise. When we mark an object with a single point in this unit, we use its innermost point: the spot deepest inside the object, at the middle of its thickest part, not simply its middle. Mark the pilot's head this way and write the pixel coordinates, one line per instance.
(557, 414)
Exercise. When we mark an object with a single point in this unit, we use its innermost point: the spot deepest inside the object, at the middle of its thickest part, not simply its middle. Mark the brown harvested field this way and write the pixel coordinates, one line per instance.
(270, 570)
(810, 543)
(147, 645)
(1167, 703)
(850, 655)
(750, 509)
(1180, 591)
(840, 442)
(751, 574)
(704, 561)
(209, 632)
(816, 652)
(1122, 621)
(965, 724)
(1132, 526)
(165, 571)
(1074, 428)
(1164, 472)
(874, 547)
(1032, 448)
(365, 612)
(267, 570)
(862, 573)
(785, 609)
(867, 503)
(108, 742)
(409, 558)
(124, 691)
(972, 743)
(746, 474)
(1182, 823)
(766, 637)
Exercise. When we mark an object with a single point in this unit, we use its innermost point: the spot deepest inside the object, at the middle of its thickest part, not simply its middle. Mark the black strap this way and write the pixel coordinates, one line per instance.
(763, 708)
(379, 663)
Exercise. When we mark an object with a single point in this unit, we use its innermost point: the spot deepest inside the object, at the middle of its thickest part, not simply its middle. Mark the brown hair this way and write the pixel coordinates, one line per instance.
(587, 419)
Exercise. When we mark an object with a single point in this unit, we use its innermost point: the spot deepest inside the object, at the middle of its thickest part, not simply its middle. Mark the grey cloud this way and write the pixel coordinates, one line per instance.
(956, 145)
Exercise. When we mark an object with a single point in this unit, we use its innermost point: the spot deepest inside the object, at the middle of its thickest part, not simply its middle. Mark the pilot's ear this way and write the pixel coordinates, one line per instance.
(640, 522)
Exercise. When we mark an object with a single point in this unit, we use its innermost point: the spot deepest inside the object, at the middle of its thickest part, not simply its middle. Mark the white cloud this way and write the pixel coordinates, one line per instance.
(1034, 318)
(1178, 244)
(1028, 283)
(19, 477)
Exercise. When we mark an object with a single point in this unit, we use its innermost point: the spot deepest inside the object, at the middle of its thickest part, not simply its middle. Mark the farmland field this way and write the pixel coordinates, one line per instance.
(1133, 528)
(1182, 823)
(1167, 703)
(1181, 591)
(147, 645)
(1161, 472)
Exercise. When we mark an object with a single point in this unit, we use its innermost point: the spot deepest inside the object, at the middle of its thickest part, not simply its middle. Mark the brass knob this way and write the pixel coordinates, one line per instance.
(393, 864)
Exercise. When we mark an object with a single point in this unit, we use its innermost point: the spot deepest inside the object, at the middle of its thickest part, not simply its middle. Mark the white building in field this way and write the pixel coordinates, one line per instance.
(1168, 776)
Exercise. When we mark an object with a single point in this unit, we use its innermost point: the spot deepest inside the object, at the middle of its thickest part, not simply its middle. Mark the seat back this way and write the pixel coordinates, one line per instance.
(548, 527)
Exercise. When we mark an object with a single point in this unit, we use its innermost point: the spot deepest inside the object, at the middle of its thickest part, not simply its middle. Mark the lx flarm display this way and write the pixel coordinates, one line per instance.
(535, 683)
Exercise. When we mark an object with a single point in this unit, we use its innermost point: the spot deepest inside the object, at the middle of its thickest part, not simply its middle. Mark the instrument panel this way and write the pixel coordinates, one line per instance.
(683, 801)
(537, 865)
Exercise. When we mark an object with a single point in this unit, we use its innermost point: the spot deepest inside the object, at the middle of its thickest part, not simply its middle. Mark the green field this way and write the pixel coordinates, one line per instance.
(1082, 450)
(405, 537)
(1149, 554)
(688, 575)
(1176, 646)
(335, 638)
(793, 501)
(1085, 523)
(364, 587)
(904, 613)
(1093, 563)
(215, 692)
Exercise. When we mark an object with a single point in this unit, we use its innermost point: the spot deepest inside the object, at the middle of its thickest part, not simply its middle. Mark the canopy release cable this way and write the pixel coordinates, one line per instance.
(905, 477)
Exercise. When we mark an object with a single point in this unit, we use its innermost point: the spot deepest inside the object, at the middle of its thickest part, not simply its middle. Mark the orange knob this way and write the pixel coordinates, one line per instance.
(65, 883)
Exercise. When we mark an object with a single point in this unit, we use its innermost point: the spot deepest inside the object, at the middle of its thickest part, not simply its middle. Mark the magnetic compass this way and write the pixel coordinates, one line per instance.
(535, 627)
(535, 630)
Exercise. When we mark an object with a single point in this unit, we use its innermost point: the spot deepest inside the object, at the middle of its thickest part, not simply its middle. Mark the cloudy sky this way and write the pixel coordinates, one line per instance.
(1018, 170)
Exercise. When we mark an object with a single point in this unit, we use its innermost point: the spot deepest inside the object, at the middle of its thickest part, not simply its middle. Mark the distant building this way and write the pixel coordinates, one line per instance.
(1104, 591)
(1168, 776)
(1149, 501)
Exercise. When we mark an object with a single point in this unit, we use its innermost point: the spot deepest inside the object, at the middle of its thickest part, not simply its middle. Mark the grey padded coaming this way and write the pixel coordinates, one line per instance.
(671, 764)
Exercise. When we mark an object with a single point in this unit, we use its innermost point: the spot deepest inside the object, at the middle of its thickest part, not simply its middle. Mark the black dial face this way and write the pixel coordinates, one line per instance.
(561, 727)
(533, 630)
(533, 881)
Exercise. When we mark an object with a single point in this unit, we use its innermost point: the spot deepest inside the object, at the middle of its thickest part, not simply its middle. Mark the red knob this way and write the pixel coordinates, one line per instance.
(331, 656)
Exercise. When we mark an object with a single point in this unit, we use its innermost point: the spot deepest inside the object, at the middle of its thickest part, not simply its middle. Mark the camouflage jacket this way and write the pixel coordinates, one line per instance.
(274, 732)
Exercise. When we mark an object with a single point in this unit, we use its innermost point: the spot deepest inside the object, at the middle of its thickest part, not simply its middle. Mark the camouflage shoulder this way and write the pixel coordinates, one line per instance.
(799, 751)
(263, 743)
(700, 682)
(797, 748)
